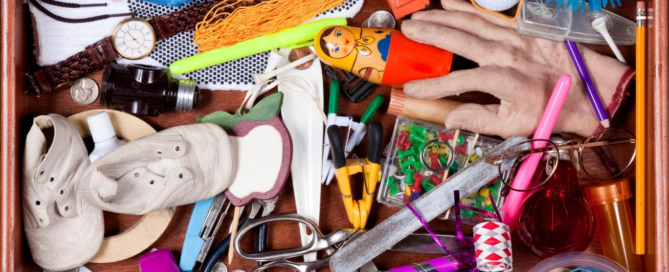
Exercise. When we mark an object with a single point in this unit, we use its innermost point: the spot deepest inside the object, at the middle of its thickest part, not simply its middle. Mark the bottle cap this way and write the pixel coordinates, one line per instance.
(608, 192)
(101, 127)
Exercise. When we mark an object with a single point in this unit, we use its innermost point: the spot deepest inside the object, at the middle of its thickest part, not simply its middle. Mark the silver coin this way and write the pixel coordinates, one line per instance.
(84, 91)
(220, 267)
(365, 23)
(381, 19)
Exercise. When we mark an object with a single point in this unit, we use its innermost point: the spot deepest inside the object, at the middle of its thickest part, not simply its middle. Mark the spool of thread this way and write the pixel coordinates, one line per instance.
(492, 241)
(434, 111)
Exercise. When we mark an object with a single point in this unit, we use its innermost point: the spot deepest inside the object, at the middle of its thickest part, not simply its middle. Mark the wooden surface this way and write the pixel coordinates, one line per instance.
(658, 78)
(19, 109)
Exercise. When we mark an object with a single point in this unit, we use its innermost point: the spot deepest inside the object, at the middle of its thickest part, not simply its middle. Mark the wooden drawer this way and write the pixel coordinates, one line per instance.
(18, 109)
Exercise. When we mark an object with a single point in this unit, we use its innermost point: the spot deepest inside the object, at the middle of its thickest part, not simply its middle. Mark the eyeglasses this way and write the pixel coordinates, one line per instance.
(607, 158)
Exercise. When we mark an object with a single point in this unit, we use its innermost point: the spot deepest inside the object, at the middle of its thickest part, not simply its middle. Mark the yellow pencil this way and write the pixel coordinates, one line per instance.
(641, 129)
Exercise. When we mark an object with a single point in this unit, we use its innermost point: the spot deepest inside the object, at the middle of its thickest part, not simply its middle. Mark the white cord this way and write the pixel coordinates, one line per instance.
(264, 83)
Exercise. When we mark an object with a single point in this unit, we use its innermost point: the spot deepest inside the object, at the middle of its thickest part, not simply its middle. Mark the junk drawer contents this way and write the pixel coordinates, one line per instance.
(156, 135)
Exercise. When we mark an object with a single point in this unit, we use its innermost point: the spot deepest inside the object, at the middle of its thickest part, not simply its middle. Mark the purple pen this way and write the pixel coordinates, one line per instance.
(441, 264)
(599, 108)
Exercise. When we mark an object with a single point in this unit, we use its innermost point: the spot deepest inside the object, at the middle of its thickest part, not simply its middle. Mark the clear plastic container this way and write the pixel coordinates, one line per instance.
(574, 260)
(549, 21)
(406, 176)
(613, 221)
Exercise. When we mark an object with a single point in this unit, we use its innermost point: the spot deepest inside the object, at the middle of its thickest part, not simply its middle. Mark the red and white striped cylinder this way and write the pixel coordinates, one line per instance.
(492, 241)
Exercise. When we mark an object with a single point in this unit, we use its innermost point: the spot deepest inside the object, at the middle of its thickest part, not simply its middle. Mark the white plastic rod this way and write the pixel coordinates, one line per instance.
(600, 25)
(304, 121)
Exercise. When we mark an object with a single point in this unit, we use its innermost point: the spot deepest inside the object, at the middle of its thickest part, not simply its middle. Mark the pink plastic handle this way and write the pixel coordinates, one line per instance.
(511, 207)
(160, 260)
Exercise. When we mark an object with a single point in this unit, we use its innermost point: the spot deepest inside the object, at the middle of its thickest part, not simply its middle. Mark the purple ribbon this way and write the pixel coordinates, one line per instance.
(429, 230)
(494, 207)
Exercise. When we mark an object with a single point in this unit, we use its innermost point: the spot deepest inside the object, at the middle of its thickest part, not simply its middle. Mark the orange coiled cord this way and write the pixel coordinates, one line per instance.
(250, 22)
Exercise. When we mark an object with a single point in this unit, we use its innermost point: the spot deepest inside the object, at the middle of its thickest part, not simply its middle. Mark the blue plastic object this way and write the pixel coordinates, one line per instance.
(595, 5)
(169, 3)
(193, 242)
(585, 269)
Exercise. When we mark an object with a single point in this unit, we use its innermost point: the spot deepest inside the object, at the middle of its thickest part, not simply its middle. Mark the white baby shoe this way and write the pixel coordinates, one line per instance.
(61, 234)
(174, 167)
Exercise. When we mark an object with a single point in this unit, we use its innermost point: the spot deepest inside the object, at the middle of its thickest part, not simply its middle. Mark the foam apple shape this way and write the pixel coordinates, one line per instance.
(262, 148)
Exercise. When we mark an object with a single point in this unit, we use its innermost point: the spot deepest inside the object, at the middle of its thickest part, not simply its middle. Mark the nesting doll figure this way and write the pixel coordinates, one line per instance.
(381, 56)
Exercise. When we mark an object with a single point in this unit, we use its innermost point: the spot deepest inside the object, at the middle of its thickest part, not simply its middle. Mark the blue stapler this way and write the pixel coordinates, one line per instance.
(207, 217)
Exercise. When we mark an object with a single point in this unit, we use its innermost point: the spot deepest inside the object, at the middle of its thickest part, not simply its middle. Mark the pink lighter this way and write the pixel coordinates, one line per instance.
(513, 201)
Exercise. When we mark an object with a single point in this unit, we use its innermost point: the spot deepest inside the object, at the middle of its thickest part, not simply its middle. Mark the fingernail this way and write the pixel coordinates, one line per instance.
(452, 124)
(418, 15)
(408, 27)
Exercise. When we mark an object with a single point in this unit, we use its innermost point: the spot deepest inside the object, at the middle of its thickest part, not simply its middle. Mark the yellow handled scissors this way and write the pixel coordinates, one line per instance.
(357, 211)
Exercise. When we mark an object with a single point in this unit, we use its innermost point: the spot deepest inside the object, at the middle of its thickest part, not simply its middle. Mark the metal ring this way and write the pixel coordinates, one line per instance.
(505, 156)
(597, 136)
(451, 157)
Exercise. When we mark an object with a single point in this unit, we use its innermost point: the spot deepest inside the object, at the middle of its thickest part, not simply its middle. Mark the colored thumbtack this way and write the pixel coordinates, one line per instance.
(427, 184)
(403, 142)
(392, 186)
(417, 138)
(416, 188)
(445, 137)
(484, 192)
(411, 161)
(409, 177)
(441, 149)
(434, 160)
(417, 129)
(435, 179)
(403, 154)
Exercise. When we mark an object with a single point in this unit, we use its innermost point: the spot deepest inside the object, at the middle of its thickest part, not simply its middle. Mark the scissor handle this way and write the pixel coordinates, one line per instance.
(319, 242)
(375, 137)
(338, 156)
(295, 266)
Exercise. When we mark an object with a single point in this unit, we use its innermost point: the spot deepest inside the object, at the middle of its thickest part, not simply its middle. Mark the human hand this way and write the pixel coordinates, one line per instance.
(519, 70)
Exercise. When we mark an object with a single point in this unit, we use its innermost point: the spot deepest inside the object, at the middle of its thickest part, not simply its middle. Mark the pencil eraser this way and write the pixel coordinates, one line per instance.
(641, 5)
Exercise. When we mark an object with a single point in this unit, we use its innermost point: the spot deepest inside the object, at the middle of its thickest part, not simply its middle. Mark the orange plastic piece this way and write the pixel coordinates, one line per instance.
(403, 8)
(409, 60)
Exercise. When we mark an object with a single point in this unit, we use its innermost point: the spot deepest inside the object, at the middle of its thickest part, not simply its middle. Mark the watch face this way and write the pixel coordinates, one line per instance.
(134, 38)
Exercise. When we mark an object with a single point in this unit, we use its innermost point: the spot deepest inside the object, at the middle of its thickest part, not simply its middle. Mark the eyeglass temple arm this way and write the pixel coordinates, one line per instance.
(496, 160)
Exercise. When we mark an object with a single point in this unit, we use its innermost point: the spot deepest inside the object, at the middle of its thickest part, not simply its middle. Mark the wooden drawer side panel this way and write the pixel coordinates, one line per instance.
(13, 64)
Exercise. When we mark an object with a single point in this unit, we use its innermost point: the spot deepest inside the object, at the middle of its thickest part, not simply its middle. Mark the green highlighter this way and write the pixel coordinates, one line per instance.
(298, 36)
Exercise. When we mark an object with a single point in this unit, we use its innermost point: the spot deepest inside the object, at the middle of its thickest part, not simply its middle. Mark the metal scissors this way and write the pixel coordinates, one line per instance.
(267, 206)
(279, 258)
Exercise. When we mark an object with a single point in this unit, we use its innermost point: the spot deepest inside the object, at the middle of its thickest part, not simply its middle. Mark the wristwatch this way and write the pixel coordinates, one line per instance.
(133, 38)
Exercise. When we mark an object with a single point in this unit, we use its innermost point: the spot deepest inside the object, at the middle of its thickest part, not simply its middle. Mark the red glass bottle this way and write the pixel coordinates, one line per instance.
(555, 218)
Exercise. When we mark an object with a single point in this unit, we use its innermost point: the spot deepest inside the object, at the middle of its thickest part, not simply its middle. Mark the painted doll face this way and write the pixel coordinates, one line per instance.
(340, 42)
